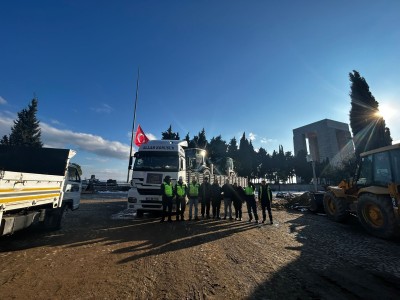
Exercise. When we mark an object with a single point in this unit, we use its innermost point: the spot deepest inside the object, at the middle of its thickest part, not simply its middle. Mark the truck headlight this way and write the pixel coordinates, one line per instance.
(132, 200)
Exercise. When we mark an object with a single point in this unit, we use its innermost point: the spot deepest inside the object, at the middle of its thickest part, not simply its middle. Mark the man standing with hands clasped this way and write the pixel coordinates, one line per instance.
(167, 193)
(265, 196)
(180, 192)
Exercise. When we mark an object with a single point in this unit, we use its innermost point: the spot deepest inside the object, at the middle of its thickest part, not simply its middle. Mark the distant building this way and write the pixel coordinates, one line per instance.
(326, 139)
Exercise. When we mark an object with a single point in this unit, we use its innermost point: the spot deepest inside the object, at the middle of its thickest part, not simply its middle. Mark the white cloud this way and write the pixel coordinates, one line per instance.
(268, 141)
(103, 108)
(54, 137)
(55, 122)
(5, 124)
(252, 136)
(2, 100)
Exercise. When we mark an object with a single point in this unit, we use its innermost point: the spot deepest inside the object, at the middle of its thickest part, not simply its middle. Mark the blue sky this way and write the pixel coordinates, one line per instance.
(259, 67)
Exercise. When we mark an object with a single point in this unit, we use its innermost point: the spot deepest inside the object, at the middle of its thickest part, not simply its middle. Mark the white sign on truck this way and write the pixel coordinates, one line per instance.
(36, 185)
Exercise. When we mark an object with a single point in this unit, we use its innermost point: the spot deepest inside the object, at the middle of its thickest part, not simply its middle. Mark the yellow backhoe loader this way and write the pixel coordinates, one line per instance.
(372, 195)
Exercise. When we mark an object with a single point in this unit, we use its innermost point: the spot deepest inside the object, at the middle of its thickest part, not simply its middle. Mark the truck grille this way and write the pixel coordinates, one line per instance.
(151, 201)
(151, 206)
(149, 191)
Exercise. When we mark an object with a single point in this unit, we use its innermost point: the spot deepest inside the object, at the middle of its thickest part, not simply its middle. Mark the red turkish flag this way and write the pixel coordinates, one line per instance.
(140, 137)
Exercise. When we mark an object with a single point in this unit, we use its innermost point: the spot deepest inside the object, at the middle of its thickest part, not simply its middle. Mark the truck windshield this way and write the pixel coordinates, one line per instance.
(156, 161)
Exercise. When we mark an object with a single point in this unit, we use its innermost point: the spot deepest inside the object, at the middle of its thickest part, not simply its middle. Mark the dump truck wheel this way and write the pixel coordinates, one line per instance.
(53, 219)
(335, 208)
(376, 215)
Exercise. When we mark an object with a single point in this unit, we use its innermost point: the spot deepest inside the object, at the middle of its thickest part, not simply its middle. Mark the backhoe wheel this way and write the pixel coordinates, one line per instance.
(376, 215)
(335, 207)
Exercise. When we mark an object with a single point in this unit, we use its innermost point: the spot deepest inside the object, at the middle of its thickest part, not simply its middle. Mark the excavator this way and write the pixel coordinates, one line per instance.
(372, 194)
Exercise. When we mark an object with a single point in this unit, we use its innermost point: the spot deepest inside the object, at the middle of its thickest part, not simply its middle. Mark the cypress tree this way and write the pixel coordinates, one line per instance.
(368, 127)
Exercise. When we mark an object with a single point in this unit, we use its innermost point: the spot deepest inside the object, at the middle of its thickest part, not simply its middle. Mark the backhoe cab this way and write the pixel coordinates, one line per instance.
(373, 194)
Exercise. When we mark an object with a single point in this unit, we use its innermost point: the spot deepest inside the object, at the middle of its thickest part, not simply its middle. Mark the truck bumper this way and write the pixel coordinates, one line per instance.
(10, 224)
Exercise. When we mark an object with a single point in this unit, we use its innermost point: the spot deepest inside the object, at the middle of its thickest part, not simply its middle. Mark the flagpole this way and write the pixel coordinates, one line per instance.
(133, 126)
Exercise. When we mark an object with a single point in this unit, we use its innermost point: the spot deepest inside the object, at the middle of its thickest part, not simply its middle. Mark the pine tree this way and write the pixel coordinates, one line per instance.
(26, 130)
(169, 134)
(5, 141)
(368, 128)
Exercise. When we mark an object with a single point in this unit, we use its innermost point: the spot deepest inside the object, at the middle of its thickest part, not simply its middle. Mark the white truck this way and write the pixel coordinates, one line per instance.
(37, 185)
(159, 158)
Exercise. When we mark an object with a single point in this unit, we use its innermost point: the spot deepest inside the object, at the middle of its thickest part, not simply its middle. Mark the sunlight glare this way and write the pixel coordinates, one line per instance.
(386, 112)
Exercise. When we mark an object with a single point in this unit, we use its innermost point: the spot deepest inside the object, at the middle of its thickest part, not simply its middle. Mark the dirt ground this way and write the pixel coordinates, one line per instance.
(99, 256)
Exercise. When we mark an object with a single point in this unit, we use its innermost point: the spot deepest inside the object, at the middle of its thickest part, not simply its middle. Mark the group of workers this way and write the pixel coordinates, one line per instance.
(210, 197)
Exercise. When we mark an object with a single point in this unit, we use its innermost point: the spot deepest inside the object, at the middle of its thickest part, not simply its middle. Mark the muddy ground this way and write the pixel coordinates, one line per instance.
(96, 256)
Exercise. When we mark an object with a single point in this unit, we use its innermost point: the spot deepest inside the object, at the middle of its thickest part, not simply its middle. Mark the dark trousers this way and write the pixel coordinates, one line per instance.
(166, 203)
(216, 207)
(238, 209)
(266, 205)
(252, 206)
(180, 207)
(205, 207)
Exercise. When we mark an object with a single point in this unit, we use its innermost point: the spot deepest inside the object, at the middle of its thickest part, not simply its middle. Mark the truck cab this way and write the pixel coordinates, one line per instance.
(153, 161)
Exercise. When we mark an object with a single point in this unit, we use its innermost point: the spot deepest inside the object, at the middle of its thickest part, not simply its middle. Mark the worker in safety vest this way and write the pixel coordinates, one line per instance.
(167, 192)
(251, 201)
(193, 198)
(265, 196)
(180, 192)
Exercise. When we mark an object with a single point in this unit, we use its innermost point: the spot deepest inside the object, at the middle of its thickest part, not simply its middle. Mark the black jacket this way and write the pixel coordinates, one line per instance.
(205, 191)
(216, 192)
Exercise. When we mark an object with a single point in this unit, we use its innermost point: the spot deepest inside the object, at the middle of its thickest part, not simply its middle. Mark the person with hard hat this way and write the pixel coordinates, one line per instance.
(205, 197)
(180, 192)
(193, 198)
(265, 196)
(251, 201)
(167, 192)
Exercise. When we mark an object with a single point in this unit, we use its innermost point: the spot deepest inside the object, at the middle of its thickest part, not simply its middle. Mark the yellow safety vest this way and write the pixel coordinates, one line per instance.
(180, 189)
(194, 189)
(168, 189)
(249, 190)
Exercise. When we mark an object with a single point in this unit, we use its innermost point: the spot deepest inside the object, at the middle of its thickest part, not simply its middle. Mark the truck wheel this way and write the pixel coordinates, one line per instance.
(376, 215)
(335, 208)
(54, 217)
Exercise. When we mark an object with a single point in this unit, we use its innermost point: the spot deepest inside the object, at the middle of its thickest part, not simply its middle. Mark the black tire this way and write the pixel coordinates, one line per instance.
(139, 213)
(376, 215)
(313, 205)
(335, 207)
(54, 217)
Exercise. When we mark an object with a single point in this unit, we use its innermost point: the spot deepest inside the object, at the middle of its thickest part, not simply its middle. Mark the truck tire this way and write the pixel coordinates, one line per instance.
(335, 207)
(54, 217)
(376, 215)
